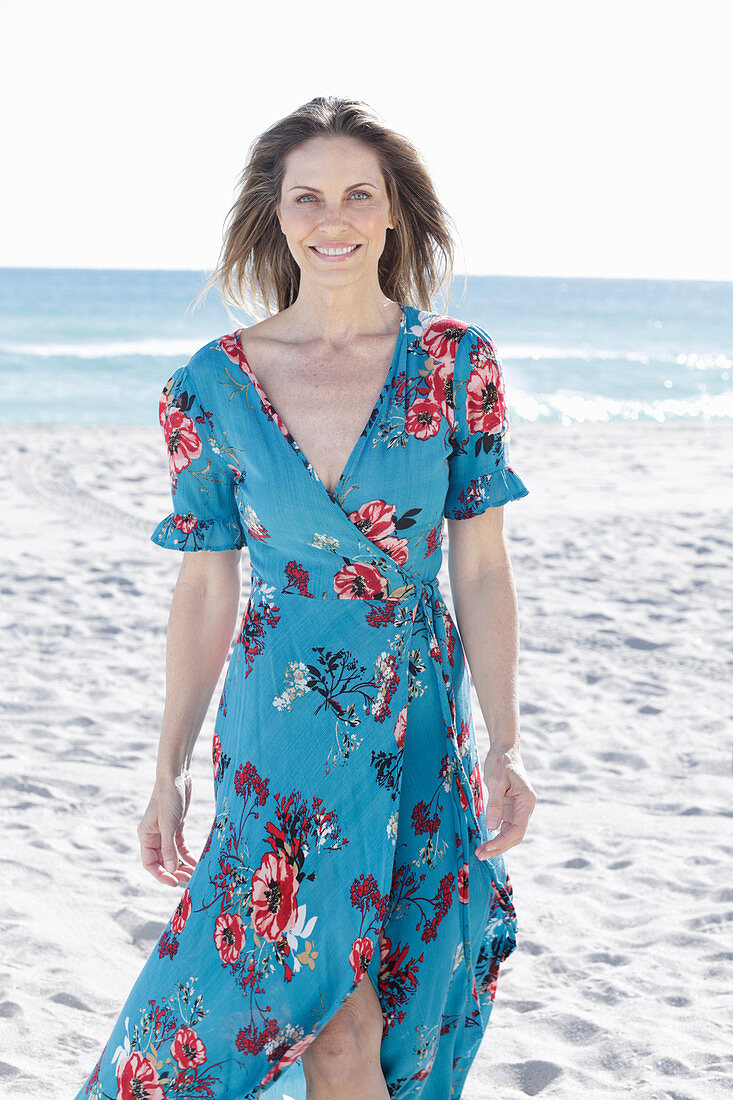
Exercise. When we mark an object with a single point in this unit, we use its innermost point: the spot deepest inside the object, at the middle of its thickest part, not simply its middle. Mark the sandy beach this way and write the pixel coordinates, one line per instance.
(622, 980)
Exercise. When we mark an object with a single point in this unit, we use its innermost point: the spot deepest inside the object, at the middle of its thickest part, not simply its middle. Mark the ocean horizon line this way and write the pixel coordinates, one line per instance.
(456, 274)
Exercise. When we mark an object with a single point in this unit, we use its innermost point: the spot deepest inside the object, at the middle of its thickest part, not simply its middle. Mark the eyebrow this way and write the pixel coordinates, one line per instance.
(302, 187)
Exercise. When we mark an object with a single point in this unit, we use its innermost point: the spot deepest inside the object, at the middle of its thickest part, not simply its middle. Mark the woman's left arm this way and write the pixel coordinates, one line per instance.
(485, 603)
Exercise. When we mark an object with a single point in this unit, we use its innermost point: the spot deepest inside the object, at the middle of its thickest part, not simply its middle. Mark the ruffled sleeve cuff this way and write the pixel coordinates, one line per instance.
(485, 491)
(190, 532)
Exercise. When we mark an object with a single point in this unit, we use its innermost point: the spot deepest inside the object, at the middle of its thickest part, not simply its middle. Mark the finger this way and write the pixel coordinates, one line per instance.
(169, 851)
(506, 838)
(185, 858)
(495, 808)
(188, 860)
(152, 862)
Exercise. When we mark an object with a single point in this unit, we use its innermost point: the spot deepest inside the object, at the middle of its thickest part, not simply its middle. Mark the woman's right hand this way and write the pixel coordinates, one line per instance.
(163, 849)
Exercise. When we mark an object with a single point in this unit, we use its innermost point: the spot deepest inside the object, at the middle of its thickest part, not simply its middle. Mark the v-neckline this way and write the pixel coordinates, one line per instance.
(273, 415)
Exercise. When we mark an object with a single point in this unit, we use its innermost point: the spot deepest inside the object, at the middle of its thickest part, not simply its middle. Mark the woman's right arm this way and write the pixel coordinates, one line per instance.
(201, 623)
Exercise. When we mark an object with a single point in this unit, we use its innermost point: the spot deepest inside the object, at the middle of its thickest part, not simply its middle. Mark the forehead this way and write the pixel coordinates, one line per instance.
(330, 156)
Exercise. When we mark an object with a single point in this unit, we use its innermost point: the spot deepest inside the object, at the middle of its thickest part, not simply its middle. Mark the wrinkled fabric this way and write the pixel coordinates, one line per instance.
(347, 781)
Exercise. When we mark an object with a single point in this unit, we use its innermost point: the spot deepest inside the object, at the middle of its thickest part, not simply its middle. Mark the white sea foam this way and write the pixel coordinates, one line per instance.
(108, 350)
(691, 359)
(571, 407)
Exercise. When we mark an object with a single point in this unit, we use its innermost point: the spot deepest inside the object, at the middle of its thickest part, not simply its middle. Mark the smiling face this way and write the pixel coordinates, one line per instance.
(334, 210)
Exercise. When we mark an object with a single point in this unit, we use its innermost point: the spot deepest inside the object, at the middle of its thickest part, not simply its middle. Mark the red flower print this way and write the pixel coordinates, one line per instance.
(422, 822)
(398, 977)
(216, 753)
(138, 1080)
(182, 913)
(167, 945)
(463, 884)
(274, 908)
(490, 988)
(163, 404)
(442, 337)
(252, 1041)
(187, 523)
(441, 904)
(474, 780)
(462, 795)
(187, 1049)
(446, 771)
(400, 727)
(360, 582)
(360, 956)
(385, 948)
(232, 348)
(397, 549)
(441, 384)
(247, 780)
(182, 440)
(365, 893)
(257, 531)
(291, 1055)
(298, 578)
(433, 540)
(423, 418)
(229, 937)
(375, 519)
(485, 401)
(387, 682)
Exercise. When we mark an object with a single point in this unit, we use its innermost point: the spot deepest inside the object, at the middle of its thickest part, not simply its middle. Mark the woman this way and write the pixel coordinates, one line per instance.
(345, 923)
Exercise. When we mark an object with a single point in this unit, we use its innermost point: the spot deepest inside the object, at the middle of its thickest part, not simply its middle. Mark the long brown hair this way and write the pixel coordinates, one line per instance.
(256, 270)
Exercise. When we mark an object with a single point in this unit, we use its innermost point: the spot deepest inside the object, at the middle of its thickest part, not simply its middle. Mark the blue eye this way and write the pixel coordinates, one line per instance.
(354, 195)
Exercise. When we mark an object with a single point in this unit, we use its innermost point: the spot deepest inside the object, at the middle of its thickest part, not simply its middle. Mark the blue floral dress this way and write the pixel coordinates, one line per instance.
(347, 781)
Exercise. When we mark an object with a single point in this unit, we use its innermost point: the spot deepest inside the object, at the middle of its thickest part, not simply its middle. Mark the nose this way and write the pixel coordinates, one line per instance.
(333, 218)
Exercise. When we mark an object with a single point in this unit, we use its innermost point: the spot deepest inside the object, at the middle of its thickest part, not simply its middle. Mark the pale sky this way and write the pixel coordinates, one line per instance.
(565, 138)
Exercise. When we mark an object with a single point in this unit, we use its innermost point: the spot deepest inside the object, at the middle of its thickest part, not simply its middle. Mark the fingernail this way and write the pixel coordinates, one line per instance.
(170, 865)
(492, 822)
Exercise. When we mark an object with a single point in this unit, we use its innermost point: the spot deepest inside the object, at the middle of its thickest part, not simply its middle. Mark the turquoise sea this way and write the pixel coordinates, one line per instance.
(83, 346)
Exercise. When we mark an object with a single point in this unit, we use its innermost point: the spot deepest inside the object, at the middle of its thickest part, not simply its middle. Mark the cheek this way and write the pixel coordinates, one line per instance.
(372, 222)
(298, 223)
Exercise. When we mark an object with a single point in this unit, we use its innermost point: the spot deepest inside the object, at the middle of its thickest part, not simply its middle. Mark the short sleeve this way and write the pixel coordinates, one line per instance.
(479, 473)
(205, 514)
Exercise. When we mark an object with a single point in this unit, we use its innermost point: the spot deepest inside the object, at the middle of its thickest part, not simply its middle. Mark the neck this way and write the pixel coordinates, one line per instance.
(338, 315)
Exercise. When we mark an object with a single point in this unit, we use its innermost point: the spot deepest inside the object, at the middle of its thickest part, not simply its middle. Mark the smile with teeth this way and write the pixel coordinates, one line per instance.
(345, 250)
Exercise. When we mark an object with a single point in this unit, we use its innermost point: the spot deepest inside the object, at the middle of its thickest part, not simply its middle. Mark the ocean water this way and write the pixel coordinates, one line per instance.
(82, 346)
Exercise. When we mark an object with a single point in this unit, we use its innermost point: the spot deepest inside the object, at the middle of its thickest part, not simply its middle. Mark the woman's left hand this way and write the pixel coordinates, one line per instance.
(511, 800)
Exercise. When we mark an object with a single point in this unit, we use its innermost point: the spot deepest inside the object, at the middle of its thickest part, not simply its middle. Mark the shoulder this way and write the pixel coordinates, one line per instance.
(445, 338)
(194, 382)
(209, 361)
(206, 364)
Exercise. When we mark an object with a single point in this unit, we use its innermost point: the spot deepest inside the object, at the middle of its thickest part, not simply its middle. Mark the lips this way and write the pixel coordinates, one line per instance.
(333, 251)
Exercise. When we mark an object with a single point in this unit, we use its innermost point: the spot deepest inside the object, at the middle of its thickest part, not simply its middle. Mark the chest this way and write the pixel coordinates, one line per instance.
(326, 401)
